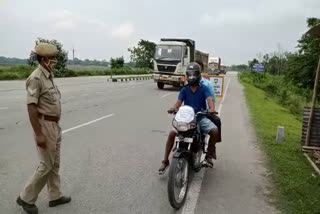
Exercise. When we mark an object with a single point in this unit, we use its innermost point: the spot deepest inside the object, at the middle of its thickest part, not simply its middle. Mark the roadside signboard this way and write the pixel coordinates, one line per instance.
(258, 67)
(218, 83)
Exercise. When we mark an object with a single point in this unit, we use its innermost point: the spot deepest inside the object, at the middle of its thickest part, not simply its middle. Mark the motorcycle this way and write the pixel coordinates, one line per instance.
(190, 144)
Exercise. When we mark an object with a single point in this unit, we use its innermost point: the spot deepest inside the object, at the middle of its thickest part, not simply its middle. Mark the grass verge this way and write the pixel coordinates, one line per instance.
(22, 72)
(297, 187)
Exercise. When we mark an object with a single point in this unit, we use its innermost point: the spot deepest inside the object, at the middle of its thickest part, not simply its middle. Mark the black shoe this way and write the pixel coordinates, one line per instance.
(29, 208)
(62, 200)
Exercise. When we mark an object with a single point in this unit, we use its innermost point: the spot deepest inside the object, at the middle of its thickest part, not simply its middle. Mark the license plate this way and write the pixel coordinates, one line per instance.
(164, 77)
(186, 139)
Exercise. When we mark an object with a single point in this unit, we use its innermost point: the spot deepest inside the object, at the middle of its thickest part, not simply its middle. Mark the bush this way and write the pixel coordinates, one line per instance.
(10, 76)
(284, 92)
(270, 87)
(295, 104)
(16, 72)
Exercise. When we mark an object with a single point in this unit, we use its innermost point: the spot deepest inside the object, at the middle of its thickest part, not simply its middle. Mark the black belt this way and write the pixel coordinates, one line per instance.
(49, 118)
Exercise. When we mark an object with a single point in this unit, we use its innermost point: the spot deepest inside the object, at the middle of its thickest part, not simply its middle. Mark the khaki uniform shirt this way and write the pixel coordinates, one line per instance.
(42, 91)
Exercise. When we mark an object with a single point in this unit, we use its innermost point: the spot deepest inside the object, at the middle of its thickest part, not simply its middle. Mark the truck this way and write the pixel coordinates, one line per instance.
(223, 69)
(214, 65)
(172, 56)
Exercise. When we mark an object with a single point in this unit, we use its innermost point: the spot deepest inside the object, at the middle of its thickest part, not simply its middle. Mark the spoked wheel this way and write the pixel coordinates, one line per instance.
(178, 182)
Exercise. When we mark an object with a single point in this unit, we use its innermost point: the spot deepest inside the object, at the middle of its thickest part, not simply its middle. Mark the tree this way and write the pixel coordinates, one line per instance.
(302, 65)
(273, 65)
(62, 57)
(117, 62)
(266, 60)
(32, 61)
(251, 63)
(143, 54)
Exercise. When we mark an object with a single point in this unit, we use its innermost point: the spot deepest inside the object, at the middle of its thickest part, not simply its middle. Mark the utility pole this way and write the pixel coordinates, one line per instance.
(73, 55)
(279, 58)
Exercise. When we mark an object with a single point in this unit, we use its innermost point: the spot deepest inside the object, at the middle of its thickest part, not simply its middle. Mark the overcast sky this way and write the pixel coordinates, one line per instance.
(235, 30)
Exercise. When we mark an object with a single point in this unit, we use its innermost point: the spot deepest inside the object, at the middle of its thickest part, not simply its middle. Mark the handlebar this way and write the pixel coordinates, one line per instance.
(204, 113)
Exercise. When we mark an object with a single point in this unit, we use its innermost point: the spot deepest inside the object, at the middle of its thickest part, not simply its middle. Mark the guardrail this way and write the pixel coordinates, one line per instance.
(129, 78)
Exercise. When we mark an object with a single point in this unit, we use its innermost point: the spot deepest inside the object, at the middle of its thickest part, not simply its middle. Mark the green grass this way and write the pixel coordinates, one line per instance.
(22, 72)
(297, 190)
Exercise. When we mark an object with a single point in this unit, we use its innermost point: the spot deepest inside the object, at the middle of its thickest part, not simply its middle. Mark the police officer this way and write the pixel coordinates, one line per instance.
(44, 108)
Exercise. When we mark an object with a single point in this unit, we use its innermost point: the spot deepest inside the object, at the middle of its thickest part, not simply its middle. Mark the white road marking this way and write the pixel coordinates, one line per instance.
(225, 94)
(195, 186)
(88, 123)
(163, 96)
(83, 95)
(4, 108)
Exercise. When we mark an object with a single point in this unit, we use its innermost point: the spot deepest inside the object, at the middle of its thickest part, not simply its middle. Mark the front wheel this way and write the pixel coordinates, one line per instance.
(178, 182)
(160, 85)
(196, 161)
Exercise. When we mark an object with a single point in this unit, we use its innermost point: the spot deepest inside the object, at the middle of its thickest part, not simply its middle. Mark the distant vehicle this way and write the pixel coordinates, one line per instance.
(171, 59)
(214, 65)
(223, 69)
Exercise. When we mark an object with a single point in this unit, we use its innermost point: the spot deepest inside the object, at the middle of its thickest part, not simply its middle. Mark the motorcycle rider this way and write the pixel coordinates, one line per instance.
(194, 94)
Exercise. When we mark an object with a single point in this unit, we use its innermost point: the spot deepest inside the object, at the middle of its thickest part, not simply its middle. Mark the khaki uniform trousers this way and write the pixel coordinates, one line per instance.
(47, 171)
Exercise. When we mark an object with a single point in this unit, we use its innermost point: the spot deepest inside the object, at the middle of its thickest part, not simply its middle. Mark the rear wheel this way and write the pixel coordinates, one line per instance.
(160, 85)
(178, 182)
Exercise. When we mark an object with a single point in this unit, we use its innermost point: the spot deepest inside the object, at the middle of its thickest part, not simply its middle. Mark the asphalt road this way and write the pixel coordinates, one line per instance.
(113, 143)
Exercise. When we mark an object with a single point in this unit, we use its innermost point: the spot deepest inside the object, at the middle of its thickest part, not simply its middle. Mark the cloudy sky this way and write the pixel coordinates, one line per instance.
(235, 30)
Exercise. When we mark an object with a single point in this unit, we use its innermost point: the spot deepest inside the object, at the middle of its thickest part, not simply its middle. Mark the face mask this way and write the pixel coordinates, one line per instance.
(192, 79)
(50, 64)
(193, 83)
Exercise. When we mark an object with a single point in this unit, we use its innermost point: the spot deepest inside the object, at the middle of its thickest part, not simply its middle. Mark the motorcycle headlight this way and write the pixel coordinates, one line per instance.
(183, 127)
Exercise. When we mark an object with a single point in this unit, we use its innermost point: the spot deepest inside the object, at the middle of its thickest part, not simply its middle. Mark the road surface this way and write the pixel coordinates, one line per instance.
(113, 143)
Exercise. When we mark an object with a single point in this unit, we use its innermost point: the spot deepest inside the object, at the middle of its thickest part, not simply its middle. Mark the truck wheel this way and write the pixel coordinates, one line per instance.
(160, 85)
